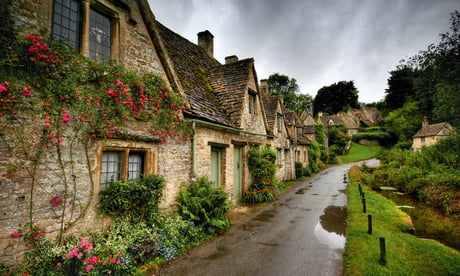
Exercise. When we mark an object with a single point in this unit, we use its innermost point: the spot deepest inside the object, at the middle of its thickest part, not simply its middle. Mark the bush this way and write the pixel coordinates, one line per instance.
(132, 199)
(205, 205)
(298, 170)
(306, 171)
(384, 138)
(262, 166)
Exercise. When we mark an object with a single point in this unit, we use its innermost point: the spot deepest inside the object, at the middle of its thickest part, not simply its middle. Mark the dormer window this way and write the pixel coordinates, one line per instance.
(279, 120)
(252, 102)
(88, 32)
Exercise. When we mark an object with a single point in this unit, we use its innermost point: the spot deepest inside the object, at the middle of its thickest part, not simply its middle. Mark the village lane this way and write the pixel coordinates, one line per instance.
(302, 233)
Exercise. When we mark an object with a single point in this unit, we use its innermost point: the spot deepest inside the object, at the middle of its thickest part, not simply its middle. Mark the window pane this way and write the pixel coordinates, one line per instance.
(99, 36)
(111, 167)
(66, 26)
(135, 165)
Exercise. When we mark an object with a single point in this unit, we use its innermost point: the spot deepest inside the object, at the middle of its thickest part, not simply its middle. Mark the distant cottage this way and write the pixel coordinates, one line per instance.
(430, 134)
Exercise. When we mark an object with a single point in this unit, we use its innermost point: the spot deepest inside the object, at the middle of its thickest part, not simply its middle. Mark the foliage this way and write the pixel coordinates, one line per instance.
(338, 139)
(289, 89)
(314, 157)
(384, 138)
(264, 188)
(320, 136)
(400, 88)
(298, 170)
(205, 205)
(54, 103)
(132, 199)
(404, 122)
(118, 250)
(337, 97)
(430, 79)
(431, 175)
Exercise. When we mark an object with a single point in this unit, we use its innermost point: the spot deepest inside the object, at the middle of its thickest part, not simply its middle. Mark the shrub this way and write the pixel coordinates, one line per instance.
(298, 170)
(205, 205)
(132, 199)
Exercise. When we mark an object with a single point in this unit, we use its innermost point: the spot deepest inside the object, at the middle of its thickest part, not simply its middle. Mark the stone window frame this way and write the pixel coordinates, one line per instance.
(252, 101)
(279, 121)
(125, 153)
(85, 9)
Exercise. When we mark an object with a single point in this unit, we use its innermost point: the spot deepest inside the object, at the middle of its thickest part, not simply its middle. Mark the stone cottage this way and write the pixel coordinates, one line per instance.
(224, 111)
(430, 134)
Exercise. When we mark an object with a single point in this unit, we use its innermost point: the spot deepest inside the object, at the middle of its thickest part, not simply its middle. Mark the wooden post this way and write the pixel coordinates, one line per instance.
(360, 189)
(364, 205)
(369, 224)
(383, 252)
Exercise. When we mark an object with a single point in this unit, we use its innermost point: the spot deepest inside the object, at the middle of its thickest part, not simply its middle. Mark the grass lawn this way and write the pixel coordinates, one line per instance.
(359, 152)
(406, 254)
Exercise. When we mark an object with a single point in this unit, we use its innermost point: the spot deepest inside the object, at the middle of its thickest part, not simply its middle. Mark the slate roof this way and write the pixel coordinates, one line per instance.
(214, 91)
(430, 130)
(271, 106)
(191, 63)
(230, 83)
(346, 120)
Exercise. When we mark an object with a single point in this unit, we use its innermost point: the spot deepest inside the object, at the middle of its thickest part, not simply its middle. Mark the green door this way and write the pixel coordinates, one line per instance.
(238, 173)
(215, 166)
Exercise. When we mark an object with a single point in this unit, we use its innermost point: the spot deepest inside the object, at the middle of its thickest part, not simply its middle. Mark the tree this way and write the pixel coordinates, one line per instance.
(302, 102)
(404, 122)
(336, 97)
(289, 89)
(400, 87)
(435, 76)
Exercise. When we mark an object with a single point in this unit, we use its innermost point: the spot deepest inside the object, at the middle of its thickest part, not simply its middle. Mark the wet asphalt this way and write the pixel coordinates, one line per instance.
(302, 233)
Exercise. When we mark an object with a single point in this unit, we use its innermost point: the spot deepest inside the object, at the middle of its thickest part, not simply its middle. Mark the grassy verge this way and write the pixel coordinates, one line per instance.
(406, 254)
(359, 152)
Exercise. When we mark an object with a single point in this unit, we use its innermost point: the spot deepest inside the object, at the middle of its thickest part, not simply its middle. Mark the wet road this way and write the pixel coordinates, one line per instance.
(302, 233)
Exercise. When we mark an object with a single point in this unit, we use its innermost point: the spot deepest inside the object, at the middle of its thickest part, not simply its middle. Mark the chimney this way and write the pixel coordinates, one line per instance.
(264, 87)
(206, 41)
(231, 59)
(425, 122)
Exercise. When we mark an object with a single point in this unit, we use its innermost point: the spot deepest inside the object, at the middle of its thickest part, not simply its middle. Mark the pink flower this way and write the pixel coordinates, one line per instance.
(38, 234)
(47, 121)
(119, 83)
(16, 234)
(65, 117)
(3, 88)
(88, 268)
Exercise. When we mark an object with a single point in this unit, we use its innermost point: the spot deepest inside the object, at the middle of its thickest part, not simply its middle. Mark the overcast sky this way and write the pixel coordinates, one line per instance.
(316, 42)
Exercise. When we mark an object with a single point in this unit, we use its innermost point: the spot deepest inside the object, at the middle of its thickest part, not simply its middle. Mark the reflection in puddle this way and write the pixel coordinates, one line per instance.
(331, 228)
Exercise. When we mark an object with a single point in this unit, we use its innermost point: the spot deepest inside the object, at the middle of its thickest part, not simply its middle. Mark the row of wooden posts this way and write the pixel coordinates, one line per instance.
(383, 251)
(383, 257)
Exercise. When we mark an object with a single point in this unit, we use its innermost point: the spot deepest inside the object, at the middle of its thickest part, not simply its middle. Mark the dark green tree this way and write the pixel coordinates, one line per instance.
(335, 98)
(302, 102)
(400, 87)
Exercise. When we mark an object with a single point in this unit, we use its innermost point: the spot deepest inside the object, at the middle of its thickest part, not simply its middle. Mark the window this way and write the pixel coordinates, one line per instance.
(121, 165)
(279, 119)
(66, 22)
(68, 27)
(252, 103)
(216, 166)
(422, 139)
(99, 36)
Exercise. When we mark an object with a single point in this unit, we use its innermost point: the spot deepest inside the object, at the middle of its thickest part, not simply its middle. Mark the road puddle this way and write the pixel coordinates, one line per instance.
(331, 228)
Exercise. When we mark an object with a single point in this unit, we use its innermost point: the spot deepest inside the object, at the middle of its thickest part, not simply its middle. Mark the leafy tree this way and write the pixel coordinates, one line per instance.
(338, 139)
(302, 102)
(400, 87)
(289, 89)
(405, 122)
(434, 74)
(336, 97)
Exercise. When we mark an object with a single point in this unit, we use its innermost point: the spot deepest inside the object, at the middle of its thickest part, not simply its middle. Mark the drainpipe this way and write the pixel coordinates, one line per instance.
(193, 149)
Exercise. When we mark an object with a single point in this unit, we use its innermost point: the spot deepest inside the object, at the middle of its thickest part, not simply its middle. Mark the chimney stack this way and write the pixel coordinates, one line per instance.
(206, 41)
(264, 87)
(425, 122)
(231, 59)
